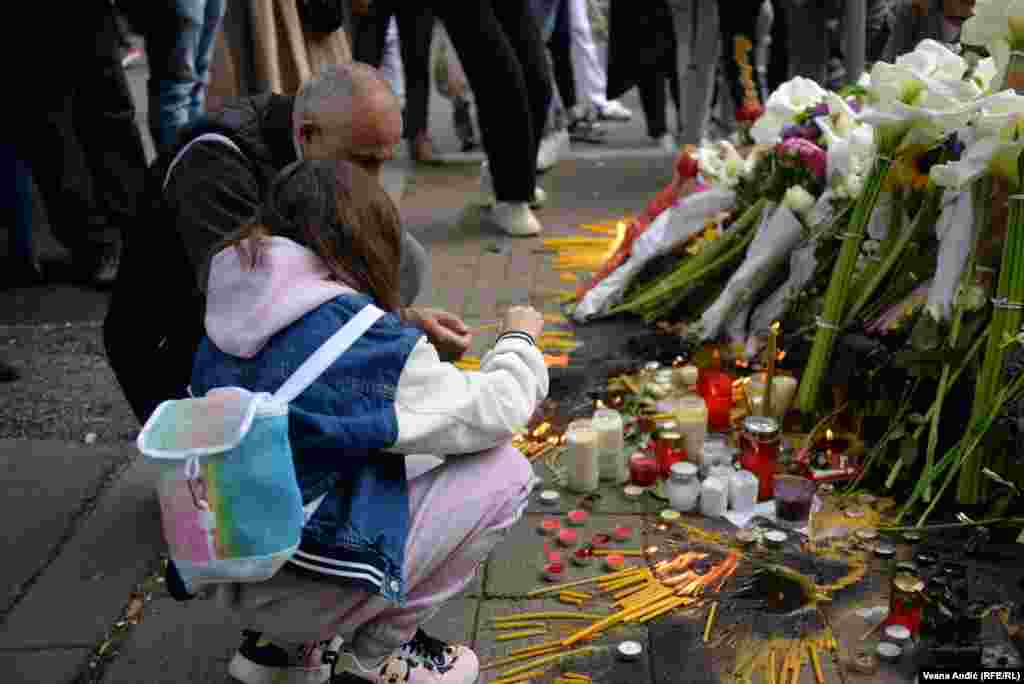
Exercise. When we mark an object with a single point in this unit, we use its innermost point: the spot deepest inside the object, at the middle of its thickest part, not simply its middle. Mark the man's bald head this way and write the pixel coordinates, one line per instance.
(348, 112)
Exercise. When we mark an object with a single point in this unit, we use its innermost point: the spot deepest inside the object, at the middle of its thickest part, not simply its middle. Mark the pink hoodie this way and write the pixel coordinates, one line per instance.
(246, 306)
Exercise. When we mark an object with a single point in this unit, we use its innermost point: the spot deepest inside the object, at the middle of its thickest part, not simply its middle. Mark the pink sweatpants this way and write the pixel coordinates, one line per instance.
(458, 513)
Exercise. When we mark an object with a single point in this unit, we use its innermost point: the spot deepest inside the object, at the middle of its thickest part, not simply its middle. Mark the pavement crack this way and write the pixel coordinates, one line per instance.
(89, 503)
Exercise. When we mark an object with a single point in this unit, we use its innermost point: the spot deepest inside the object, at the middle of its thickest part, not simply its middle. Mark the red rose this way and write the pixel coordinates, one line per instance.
(749, 112)
(687, 166)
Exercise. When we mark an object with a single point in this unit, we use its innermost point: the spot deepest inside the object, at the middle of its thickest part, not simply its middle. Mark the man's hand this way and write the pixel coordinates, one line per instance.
(444, 330)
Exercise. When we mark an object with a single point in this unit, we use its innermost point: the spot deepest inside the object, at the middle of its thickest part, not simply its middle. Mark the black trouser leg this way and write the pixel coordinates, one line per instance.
(155, 321)
(503, 56)
(80, 138)
(369, 34)
(652, 99)
(561, 55)
(415, 34)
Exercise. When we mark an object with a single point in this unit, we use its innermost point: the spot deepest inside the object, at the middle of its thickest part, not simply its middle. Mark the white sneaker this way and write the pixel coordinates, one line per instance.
(423, 660)
(513, 218)
(488, 198)
(552, 148)
(667, 142)
(614, 111)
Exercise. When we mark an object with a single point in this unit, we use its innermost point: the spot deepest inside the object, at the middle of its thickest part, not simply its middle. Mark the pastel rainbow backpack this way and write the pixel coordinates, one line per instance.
(230, 502)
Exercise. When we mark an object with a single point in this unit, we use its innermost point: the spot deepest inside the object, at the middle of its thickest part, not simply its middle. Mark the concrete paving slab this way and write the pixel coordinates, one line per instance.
(48, 483)
(603, 667)
(54, 666)
(514, 568)
(81, 594)
(178, 642)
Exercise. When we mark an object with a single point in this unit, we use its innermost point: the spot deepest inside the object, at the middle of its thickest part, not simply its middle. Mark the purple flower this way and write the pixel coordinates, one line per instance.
(854, 103)
(821, 109)
(806, 153)
(792, 131)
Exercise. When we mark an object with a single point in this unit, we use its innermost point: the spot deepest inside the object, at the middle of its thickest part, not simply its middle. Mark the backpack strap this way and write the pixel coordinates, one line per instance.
(320, 360)
(214, 137)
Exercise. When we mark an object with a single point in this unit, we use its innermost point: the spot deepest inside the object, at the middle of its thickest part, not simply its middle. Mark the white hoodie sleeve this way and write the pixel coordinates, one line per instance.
(442, 410)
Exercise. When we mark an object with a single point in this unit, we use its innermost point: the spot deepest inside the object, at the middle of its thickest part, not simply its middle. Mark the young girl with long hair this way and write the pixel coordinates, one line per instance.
(380, 553)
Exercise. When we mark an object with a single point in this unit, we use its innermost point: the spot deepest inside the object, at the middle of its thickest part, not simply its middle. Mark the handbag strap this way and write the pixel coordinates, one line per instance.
(320, 360)
(216, 137)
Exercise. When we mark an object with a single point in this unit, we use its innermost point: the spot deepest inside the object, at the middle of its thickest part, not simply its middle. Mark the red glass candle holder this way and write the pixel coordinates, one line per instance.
(715, 387)
(643, 470)
(667, 452)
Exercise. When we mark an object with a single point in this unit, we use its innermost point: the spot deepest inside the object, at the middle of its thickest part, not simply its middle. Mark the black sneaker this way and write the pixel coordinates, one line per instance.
(260, 661)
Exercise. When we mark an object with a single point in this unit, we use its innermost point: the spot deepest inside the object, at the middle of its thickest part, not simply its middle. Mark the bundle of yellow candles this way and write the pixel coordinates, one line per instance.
(587, 252)
(782, 660)
(640, 594)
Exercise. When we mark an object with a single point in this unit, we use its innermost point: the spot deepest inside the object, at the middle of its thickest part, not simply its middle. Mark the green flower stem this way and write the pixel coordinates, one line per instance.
(964, 449)
(1005, 321)
(934, 408)
(835, 297)
(980, 192)
(866, 287)
(883, 443)
(1008, 393)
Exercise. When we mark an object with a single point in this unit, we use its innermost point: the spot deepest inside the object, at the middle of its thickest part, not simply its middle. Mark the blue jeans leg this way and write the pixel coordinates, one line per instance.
(18, 205)
(179, 50)
(213, 18)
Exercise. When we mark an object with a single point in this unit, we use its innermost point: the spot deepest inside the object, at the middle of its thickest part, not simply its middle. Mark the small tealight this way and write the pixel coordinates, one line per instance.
(615, 561)
(622, 533)
(864, 663)
(669, 516)
(632, 491)
(549, 527)
(884, 549)
(775, 537)
(567, 538)
(630, 650)
(854, 513)
(549, 497)
(897, 634)
(866, 535)
(890, 653)
(577, 518)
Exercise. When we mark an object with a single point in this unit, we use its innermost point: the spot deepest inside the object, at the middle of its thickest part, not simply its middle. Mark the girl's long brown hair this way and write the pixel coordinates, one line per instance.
(341, 213)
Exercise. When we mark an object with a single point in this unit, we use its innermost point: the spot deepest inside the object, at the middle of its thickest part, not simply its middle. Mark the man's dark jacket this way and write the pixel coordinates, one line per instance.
(155, 321)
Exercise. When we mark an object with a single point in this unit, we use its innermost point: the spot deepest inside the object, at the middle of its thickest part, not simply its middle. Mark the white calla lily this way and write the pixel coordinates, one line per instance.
(985, 73)
(790, 99)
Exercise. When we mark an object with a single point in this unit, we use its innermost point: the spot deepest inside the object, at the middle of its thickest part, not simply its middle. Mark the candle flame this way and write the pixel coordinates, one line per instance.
(781, 355)
(740, 363)
(828, 435)
(775, 328)
(599, 404)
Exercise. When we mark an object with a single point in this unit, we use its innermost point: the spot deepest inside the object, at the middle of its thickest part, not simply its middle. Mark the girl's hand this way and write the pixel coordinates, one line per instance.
(445, 331)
